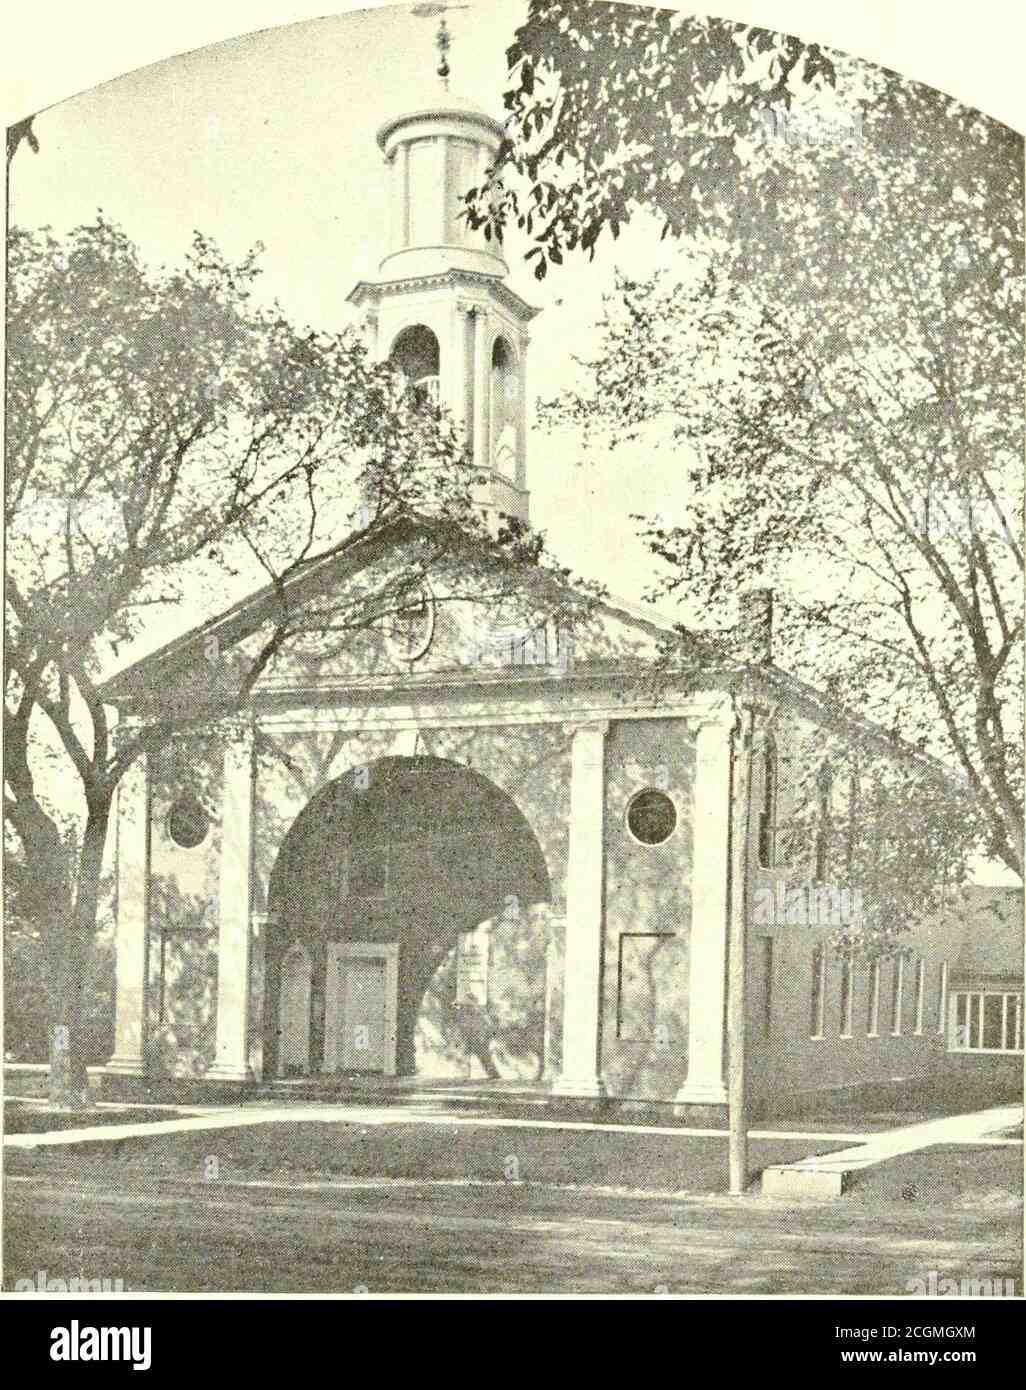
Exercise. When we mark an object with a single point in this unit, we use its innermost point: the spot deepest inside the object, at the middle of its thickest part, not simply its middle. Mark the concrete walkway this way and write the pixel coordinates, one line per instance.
(237, 1117)
(828, 1175)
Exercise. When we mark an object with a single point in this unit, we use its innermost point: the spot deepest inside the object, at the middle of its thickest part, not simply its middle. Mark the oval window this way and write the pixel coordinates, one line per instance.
(188, 822)
(651, 817)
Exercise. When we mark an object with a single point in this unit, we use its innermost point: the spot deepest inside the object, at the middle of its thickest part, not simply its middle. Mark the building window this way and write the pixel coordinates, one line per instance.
(187, 822)
(920, 994)
(648, 963)
(897, 989)
(410, 630)
(824, 822)
(651, 817)
(986, 1021)
(768, 808)
(873, 1001)
(767, 975)
(847, 992)
(818, 1001)
(942, 997)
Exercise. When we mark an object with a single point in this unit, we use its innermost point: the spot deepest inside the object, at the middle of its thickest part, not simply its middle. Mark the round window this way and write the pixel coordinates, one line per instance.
(188, 822)
(651, 817)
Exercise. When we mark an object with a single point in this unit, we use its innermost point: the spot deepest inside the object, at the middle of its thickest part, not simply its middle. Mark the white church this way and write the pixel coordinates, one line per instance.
(509, 871)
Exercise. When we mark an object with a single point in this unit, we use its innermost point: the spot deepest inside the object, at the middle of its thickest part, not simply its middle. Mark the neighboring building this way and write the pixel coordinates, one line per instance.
(489, 854)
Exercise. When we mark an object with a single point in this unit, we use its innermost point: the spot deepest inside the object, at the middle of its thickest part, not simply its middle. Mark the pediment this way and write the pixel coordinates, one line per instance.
(358, 629)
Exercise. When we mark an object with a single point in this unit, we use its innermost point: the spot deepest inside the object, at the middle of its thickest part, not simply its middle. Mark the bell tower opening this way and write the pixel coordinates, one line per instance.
(505, 411)
(415, 353)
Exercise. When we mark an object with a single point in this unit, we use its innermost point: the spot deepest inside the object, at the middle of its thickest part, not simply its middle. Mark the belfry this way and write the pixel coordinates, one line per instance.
(440, 309)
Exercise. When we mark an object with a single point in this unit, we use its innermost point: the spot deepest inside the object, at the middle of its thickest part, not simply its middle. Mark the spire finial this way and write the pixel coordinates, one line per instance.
(443, 39)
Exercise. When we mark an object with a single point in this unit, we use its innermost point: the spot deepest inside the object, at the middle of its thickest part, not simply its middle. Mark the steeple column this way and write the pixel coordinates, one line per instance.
(482, 389)
(458, 385)
(522, 399)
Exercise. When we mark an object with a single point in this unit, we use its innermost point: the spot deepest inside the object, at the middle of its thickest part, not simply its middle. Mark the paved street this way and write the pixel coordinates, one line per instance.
(159, 1233)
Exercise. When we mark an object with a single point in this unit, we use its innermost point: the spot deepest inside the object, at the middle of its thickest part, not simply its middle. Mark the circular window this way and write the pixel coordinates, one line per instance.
(651, 817)
(188, 822)
(408, 634)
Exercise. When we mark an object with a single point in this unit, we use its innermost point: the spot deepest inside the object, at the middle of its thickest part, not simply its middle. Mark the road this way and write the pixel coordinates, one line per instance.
(164, 1233)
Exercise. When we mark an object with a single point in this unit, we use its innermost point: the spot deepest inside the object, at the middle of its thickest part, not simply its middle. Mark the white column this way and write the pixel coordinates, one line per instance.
(582, 968)
(522, 414)
(456, 376)
(707, 987)
(552, 977)
(131, 938)
(231, 1060)
(482, 390)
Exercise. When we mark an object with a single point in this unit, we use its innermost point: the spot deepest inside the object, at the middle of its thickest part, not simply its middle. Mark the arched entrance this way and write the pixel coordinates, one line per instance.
(385, 878)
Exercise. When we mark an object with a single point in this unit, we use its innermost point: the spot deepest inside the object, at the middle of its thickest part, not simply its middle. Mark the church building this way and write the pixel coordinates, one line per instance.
(509, 862)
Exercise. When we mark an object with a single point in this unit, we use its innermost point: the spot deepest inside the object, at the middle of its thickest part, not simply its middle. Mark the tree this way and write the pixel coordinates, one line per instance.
(169, 437)
(617, 108)
(851, 392)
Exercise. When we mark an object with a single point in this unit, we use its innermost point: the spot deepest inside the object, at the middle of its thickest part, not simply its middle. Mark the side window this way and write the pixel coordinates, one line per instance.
(824, 823)
(768, 807)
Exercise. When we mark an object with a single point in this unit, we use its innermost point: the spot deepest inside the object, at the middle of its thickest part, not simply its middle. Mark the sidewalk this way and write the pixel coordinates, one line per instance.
(827, 1175)
(242, 1116)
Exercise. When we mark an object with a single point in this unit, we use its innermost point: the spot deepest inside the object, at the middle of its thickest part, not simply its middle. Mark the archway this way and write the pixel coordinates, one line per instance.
(505, 407)
(403, 859)
(415, 353)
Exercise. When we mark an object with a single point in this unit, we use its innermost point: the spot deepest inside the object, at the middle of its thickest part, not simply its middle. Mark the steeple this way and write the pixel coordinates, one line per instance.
(439, 307)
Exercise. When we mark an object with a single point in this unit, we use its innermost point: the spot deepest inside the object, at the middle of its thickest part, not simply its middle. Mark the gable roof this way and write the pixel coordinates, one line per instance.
(720, 653)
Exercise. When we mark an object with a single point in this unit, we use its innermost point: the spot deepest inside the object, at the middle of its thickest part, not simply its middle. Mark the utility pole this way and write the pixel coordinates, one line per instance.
(737, 975)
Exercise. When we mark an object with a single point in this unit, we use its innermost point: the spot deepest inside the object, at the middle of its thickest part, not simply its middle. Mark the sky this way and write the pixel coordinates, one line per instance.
(271, 137)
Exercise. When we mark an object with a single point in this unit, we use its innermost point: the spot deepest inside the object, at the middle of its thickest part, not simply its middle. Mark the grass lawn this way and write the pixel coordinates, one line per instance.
(948, 1174)
(653, 1162)
(36, 1117)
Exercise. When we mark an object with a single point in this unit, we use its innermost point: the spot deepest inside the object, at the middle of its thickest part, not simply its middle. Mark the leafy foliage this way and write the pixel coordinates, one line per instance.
(169, 435)
(614, 107)
(841, 353)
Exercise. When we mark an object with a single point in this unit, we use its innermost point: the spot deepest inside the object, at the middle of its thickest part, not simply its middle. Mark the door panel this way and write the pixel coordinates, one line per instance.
(363, 1016)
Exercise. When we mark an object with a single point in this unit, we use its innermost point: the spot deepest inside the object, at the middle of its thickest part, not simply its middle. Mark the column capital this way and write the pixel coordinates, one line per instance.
(583, 726)
(721, 715)
(239, 741)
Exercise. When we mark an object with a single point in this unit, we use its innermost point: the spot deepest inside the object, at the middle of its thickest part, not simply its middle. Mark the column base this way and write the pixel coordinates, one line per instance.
(586, 1087)
(701, 1093)
(126, 1064)
(226, 1072)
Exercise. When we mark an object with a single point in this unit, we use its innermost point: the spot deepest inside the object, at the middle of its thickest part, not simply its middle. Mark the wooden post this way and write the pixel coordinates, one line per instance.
(737, 981)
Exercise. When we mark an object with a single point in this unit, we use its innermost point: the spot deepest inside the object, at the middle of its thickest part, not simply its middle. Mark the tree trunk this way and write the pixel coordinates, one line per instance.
(69, 1084)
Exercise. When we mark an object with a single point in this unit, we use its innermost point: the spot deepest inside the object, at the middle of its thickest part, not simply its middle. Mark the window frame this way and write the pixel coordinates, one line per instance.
(846, 1001)
(817, 1001)
(873, 1000)
(979, 994)
(897, 994)
(920, 996)
(766, 828)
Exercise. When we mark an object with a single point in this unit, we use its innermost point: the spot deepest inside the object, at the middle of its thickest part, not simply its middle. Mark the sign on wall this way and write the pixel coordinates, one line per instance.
(472, 968)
